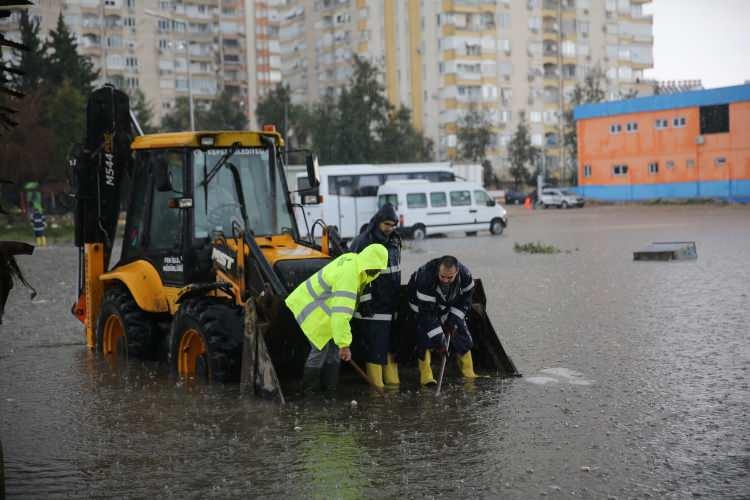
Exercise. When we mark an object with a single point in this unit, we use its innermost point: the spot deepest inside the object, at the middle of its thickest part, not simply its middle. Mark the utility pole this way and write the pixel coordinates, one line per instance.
(190, 86)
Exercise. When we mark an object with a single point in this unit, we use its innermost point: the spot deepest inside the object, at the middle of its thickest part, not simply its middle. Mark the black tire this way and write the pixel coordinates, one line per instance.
(206, 340)
(564, 205)
(124, 329)
(497, 227)
(419, 232)
(545, 206)
(471, 233)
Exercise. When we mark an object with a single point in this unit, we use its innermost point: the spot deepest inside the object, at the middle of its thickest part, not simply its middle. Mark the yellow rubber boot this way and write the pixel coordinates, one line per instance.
(390, 372)
(375, 372)
(44, 241)
(38, 241)
(425, 370)
(466, 365)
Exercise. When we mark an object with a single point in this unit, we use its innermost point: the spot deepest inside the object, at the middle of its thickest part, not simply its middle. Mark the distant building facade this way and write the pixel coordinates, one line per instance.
(684, 145)
(161, 46)
(442, 57)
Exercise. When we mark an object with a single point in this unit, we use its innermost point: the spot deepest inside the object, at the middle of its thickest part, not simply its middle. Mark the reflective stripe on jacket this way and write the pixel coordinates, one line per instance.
(324, 304)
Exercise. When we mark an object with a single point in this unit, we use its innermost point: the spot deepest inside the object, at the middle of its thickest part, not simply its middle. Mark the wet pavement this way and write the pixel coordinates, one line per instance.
(636, 385)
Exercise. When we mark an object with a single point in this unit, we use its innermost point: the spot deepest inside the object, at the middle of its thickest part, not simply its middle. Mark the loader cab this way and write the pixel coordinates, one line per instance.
(185, 192)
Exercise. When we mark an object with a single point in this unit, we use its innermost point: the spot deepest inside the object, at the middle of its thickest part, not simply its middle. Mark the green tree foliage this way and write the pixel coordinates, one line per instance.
(32, 62)
(26, 151)
(474, 135)
(323, 124)
(489, 179)
(361, 126)
(401, 142)
(291, 120)
(591, 90)
(521, 153)
(225, 113)
(64, 61)
(363, 109)
(178, 119)
(69, 125)
(142, 111)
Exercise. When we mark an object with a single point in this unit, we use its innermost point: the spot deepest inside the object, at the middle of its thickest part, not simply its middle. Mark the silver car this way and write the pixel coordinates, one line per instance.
(560, 198)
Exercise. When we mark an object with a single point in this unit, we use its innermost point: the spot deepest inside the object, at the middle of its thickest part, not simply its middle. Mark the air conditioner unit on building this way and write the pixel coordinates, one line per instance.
(700, 140)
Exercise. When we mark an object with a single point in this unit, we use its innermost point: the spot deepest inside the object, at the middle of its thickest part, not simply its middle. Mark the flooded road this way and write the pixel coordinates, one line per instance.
(636, 385)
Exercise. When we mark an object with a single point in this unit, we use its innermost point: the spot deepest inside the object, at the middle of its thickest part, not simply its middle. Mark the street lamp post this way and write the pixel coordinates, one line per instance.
(186, 46)
(190, 86)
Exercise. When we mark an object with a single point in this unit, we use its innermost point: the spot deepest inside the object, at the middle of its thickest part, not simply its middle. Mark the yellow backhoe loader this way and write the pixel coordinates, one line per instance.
(209, 251)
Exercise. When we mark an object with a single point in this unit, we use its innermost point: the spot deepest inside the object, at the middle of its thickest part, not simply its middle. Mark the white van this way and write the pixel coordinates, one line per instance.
(440, 207)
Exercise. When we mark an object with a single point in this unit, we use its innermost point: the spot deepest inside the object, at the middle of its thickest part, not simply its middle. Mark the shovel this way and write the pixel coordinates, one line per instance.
(445, 359)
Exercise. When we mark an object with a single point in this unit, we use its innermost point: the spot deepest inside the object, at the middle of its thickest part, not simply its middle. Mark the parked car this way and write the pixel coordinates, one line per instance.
(560, 198)
(515, 197)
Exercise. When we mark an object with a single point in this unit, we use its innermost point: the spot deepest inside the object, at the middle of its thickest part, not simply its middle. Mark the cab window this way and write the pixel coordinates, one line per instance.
(416, 200)
(388, 198)
(460, 198)
(165, 227)
(438, 200)
(481, 197)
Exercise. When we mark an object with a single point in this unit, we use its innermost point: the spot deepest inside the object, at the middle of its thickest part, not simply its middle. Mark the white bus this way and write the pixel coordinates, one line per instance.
(349, 193)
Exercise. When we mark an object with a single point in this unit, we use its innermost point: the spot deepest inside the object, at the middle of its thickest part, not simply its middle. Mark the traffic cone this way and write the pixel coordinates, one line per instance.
(527, 203)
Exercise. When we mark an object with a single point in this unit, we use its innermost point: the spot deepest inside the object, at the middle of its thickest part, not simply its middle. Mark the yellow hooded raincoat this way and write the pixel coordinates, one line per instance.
(324, 304)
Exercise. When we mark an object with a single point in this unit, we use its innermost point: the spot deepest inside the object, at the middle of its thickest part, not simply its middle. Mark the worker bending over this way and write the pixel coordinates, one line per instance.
(374, 320)
(440, 294)
(324, 304)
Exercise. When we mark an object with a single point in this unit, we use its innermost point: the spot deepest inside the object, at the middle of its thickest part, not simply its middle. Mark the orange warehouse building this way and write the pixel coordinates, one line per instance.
(687, 145)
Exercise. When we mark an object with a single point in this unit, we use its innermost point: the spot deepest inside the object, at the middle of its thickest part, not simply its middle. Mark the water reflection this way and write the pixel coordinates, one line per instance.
(636, 385)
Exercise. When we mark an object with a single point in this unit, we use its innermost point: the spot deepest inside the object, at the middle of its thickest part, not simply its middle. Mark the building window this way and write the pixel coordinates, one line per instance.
(631, 126)
(714, 119)
(620, 170)
(690, 163)
(720, 161)
(670, 164)
(661, 124)
(653, 167)
(587, 170)
(615, 128)
(679, 122)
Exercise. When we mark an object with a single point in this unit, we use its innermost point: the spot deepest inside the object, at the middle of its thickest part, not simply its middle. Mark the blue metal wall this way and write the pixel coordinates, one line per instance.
(734, 190)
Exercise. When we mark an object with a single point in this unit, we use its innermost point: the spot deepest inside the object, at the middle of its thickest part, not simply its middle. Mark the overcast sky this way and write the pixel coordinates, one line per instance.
(701, 39)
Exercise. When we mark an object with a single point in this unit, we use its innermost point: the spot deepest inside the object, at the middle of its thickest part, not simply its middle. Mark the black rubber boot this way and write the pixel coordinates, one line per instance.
(311, 379)
(330, 377)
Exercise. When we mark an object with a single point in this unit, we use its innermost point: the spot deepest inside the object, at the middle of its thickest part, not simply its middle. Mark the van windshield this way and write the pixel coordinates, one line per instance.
(388, 198)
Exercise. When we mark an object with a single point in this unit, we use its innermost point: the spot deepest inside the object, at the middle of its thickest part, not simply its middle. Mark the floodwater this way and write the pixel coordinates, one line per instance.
(636, 384)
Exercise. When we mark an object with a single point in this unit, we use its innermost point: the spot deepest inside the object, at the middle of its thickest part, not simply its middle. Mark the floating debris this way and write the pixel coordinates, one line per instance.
(667, 250)
(537, 247)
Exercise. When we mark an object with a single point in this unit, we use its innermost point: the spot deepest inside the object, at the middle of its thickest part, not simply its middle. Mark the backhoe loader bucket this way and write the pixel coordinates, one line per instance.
(488, 352)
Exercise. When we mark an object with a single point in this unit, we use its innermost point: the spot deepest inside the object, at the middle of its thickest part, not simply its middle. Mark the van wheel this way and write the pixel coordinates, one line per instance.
(497, 227)
(419, 232)
(564, 205)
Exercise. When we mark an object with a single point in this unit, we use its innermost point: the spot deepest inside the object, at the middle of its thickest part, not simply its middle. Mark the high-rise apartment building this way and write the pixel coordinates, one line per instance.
(172, 48)
(510, 58)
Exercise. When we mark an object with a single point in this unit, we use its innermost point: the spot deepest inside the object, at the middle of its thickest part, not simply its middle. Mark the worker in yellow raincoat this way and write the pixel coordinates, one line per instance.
(323, 306)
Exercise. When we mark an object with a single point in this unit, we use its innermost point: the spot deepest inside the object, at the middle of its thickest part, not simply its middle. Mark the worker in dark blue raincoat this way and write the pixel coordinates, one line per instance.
(440, 294)
(373, 324)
